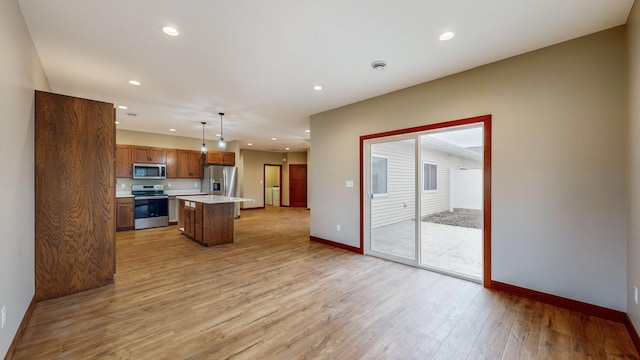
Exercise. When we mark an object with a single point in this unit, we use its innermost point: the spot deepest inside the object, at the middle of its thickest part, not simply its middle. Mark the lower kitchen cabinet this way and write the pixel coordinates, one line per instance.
(209, 223)
(124, 214)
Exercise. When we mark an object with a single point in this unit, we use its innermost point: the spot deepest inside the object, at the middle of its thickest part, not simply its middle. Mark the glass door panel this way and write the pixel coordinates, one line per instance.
(392, 196)
(451, 201)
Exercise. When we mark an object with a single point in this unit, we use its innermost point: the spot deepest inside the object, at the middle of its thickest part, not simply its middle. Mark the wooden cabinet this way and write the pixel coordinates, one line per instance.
(208, 224)
(185, 164)
(198, 222)
(228, 158)
(189, 164)
(146, 154)
(172, 163)
(124, 213)
(189, 221)
(74, 218)
(123, 161)
(221, 158)
(192, 217)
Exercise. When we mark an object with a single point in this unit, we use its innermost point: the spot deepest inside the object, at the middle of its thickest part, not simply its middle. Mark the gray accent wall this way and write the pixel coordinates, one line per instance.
(633, 247)
(559, 163)
(20, 74)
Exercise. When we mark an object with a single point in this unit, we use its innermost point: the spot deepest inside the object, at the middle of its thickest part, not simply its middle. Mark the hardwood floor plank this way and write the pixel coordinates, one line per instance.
(273, 294)
(525, 334)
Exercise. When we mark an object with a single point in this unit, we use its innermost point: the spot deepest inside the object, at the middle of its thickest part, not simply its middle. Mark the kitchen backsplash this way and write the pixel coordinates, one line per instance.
(124, 184)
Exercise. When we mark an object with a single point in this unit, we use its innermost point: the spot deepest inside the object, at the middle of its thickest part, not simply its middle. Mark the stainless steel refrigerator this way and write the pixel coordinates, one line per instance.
(221, 180)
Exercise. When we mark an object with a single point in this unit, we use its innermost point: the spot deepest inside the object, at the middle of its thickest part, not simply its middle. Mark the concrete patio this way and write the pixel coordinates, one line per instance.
(450, 248)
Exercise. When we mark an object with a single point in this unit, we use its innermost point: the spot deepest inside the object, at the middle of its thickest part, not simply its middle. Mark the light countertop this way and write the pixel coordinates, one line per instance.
(183, 192)
(212, 199)
(171, 193)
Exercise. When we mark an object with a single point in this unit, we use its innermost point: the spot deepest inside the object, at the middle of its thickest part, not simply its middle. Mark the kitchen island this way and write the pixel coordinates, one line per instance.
(207, 219)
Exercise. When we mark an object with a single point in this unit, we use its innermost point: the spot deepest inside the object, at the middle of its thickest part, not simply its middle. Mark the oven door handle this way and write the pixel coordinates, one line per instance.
(151, 197)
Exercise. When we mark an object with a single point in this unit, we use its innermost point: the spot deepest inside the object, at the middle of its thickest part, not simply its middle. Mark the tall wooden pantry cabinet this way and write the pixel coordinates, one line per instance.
(74, 194)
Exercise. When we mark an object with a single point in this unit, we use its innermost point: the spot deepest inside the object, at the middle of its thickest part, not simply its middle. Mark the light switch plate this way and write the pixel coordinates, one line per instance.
(349, 183)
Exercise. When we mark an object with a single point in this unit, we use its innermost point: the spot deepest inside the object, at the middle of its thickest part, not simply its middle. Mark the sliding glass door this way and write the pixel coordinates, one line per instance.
(423, 199)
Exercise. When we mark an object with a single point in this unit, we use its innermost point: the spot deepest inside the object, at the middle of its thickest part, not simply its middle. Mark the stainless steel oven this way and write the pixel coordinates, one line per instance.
(151, 206)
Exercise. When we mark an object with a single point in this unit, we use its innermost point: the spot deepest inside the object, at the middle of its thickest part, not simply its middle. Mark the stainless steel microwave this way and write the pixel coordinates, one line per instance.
(149, 171)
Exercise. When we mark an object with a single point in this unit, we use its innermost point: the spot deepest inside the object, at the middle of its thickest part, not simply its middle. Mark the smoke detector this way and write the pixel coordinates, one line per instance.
(378, 65)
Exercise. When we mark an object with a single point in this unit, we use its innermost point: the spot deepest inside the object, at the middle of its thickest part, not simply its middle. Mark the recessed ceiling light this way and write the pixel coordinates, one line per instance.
(117, 122)
(447, 35)
(218, 135)
(286, 149)
(317, 88)
(172, 130)
(122, 107)
(171, 31)
(134, 82)
(307, 131)
(250, 144)
(378, 65)
(274, 139)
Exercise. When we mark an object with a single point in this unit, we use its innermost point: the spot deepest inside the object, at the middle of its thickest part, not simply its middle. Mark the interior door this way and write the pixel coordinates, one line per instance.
(298, 185)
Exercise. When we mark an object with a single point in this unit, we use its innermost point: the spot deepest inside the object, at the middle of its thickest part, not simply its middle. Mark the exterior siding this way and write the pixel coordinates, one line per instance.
(399, 202)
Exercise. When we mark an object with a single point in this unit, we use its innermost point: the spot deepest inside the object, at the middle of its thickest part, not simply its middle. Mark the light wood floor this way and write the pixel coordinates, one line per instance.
(275, 295)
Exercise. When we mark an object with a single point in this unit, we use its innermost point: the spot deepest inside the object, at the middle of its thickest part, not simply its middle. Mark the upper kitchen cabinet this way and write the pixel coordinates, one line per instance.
(146, 154)
(189, 164)
(172, 163)
(123, 161)
(74, 195)
(221, 158)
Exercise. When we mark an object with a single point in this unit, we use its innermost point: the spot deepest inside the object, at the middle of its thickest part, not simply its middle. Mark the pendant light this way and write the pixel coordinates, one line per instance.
(221, 143)
(203, 149)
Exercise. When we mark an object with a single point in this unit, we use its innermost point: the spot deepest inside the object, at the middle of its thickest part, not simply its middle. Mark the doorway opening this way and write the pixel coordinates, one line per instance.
(272, 184)
(426, 197)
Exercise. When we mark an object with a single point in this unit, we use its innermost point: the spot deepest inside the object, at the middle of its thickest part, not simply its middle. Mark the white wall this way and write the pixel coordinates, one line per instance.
(20, 74)
(558, 164)
(633, 247)
(465, 189)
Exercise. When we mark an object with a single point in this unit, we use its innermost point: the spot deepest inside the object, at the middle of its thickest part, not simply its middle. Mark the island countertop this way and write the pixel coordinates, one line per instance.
(212, 199)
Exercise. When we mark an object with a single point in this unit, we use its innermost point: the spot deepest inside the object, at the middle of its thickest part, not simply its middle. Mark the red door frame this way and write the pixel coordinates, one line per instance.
(486, 208)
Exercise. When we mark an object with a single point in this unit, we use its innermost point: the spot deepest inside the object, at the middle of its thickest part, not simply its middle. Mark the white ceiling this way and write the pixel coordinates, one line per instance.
(257, 61)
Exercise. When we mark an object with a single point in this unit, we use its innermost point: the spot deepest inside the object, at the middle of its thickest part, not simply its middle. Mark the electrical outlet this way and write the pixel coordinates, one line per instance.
(169, 185)
(195, 184)
(338, 227)
(4, 316)
(635, 294)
